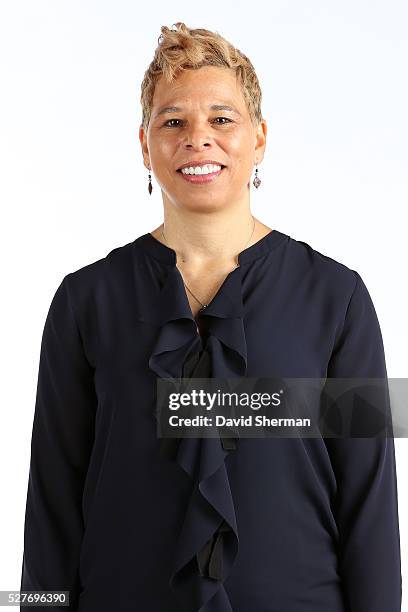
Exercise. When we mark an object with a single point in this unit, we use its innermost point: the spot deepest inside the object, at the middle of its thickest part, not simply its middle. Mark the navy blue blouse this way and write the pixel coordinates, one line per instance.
(125, 521)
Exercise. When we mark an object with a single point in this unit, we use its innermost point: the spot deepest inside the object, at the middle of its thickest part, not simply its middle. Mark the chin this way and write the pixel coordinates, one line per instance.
(203, 204)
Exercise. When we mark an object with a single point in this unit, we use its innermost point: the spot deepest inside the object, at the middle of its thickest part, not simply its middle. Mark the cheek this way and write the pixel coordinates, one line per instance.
(163, 160)
(239, 149)
(242, 166)
(162, 151)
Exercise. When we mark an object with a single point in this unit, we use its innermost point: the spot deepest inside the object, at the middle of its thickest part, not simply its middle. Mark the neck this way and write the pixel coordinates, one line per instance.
(207, 238)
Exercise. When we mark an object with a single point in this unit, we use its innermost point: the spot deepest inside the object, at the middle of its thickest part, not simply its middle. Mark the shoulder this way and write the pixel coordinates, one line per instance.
(91, 285)
(321, 269)
(87, 293)
(327, 284)
(92, 271)
(332, 289)
(102, 270)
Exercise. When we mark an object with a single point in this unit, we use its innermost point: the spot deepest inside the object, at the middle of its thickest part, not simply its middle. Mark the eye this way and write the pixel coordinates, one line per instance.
(168, 121)
(229, 120)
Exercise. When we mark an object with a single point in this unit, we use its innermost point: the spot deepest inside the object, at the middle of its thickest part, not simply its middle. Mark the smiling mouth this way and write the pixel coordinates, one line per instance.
(200, 179)
(180, 169)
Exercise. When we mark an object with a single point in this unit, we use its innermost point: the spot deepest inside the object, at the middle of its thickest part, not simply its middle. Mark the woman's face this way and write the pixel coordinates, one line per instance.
(195, 132)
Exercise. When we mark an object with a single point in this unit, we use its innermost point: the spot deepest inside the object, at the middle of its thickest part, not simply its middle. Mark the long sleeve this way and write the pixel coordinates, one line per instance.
(367, 507)
(61, 444)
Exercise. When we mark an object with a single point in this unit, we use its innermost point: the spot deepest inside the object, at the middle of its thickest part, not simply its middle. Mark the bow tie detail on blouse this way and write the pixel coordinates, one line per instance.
(208, 541)
(210, 557)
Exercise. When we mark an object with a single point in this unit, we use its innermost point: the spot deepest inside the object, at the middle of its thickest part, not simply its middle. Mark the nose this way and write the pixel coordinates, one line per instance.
(197, 137)
(197, 145)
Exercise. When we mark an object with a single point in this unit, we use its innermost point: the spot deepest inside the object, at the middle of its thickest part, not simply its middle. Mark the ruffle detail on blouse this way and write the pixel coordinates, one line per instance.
(208, 541)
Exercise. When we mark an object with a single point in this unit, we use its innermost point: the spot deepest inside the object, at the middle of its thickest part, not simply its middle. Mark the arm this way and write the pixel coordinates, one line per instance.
(61, 443)
(367, 508)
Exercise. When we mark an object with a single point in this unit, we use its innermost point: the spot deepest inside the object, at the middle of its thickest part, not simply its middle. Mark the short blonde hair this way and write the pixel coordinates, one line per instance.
(185, 48)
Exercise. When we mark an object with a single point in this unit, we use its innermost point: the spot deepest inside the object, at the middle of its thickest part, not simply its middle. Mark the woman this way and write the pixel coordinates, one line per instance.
(124, 520)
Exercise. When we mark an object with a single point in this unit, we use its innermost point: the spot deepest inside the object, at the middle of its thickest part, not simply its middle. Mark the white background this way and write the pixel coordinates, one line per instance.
(73, 185)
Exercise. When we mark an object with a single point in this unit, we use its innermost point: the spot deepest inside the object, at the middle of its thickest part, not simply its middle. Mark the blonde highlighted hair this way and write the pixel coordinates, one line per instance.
(184, 48)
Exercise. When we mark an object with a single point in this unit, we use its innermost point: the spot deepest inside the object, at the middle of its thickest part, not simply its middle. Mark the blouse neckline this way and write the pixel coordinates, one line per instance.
(166, 254)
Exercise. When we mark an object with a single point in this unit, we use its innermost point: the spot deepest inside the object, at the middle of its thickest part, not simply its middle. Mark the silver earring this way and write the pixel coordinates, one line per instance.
(150, 186)
(257, 181)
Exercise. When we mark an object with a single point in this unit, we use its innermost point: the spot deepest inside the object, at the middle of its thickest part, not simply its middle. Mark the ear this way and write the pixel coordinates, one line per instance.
(143, 144)
(260, 140)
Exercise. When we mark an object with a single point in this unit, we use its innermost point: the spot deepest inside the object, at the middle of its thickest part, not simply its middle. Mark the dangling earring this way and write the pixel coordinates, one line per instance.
(257, 181)
(150, 186)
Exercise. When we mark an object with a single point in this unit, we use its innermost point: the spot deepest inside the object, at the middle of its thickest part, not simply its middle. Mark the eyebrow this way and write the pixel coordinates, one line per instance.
(214, 107)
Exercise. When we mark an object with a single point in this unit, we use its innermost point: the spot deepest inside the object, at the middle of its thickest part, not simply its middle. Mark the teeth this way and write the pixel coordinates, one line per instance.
(207, 169)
